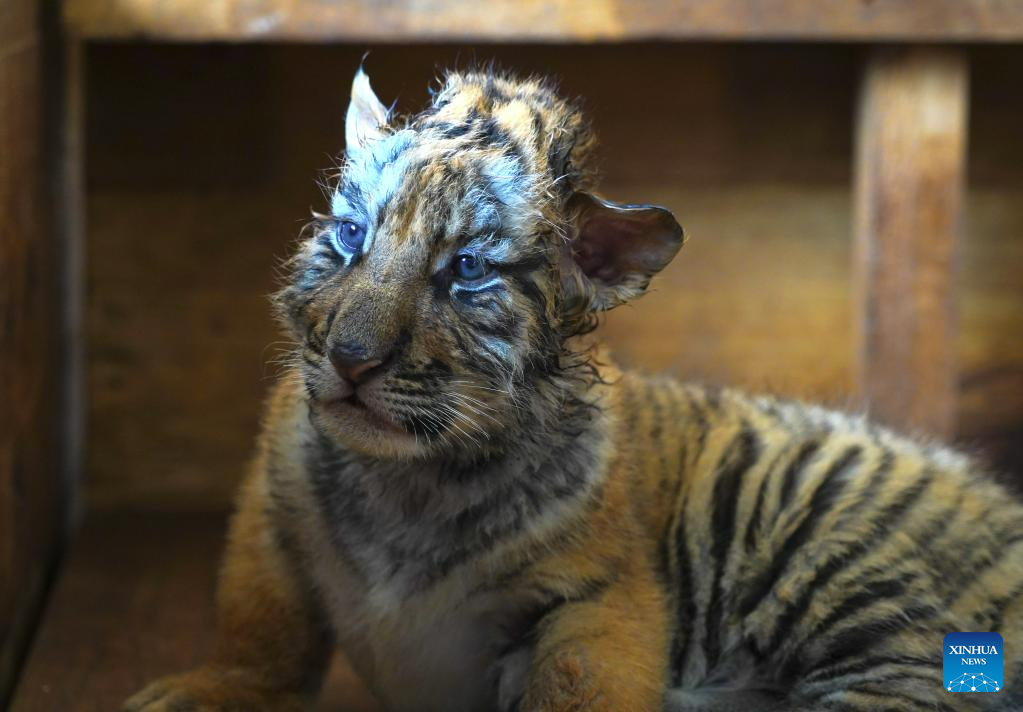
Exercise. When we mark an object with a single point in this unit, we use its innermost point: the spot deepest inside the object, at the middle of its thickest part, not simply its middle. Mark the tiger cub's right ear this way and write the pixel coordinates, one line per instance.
(366, 120)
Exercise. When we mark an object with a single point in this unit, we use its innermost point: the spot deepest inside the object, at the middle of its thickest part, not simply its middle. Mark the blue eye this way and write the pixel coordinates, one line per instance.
(469, 267)
(351, 235)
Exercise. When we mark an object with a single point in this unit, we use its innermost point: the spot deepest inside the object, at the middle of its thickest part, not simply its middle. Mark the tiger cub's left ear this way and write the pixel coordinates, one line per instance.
(366, 120)
(617, 248)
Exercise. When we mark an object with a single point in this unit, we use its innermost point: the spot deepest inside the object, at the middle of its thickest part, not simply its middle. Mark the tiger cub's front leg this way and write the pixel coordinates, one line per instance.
(270, 652)
(605, 652)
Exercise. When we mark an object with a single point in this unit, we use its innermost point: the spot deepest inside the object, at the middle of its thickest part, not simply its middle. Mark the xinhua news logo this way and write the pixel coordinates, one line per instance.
(973, 662)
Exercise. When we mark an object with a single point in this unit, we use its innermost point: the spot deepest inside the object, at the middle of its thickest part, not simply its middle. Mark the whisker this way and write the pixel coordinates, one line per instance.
(477, 411)
(423, 415)
(476, 401)
(465, 419)
(473, 384)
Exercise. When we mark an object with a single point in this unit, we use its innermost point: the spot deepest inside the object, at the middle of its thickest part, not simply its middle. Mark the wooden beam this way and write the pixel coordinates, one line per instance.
(909, 175)
(547, 20)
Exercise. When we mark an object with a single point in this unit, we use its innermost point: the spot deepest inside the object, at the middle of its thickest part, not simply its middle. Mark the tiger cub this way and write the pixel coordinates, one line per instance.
(461, 494)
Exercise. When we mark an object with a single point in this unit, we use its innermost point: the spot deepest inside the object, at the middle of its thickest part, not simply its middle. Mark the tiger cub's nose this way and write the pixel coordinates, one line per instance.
(353, 361)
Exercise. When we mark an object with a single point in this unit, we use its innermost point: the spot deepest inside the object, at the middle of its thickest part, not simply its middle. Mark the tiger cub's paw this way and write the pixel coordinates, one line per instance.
(512, 672)
(208, 690)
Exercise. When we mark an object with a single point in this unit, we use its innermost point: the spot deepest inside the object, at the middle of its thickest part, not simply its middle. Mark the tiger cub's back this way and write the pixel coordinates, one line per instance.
(812, 552)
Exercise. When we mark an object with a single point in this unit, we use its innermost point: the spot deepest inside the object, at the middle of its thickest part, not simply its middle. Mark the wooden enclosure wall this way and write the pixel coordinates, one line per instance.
(201, 167)
(31, 499)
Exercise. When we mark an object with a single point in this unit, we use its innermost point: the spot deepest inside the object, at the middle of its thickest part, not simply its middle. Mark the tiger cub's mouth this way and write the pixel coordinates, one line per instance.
(354, 406)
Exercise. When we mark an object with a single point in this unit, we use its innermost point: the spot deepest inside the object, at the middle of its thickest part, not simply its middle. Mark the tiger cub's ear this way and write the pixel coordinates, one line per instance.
(616, 249)
(366, 120)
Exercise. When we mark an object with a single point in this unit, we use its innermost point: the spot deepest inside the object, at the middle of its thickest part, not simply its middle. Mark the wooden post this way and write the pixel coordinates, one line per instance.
(68, 182)
(909, 176)
(31, 487)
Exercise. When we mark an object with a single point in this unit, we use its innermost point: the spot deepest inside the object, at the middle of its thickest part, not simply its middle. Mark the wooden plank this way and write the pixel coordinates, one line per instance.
(544, 20)
(909, 173)
(30, 488)
(135, 601)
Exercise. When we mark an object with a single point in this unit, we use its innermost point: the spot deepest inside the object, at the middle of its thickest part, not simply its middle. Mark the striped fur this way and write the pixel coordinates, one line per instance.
(499, 519)
(820, 559)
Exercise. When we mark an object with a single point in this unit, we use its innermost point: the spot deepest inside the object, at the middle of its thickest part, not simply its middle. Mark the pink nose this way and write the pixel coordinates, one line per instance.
(351, 363)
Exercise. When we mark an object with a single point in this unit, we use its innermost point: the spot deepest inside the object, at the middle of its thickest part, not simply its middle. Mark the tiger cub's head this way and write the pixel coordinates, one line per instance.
(436, 306)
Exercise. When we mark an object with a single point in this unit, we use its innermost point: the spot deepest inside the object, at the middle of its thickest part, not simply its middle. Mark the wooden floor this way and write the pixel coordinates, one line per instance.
(134, 601)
